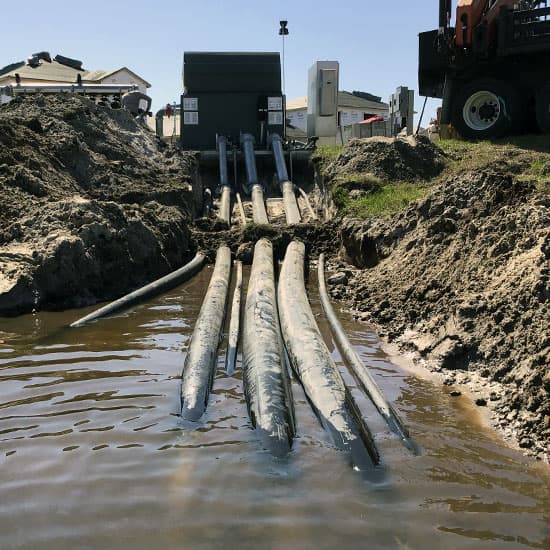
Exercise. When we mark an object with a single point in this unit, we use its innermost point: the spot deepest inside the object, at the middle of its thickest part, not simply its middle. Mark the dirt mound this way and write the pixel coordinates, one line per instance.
(391, 160)
(463, 277)
(64, 162)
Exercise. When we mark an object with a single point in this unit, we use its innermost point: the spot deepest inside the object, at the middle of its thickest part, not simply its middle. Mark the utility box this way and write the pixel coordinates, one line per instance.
(322, 102)
(402, 110)
(230, 93)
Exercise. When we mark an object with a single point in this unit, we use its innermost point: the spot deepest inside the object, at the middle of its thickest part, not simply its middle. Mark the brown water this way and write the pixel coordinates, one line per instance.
(94, 455)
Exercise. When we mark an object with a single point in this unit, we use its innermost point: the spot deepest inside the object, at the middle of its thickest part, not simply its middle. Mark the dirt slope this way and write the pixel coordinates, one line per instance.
(89, 204)
(462, 276)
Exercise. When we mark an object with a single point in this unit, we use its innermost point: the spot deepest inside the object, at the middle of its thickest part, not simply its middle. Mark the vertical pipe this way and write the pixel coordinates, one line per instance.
(222, 157)
(247, 143)
(287, 188)
(278, 155)
(200, 362)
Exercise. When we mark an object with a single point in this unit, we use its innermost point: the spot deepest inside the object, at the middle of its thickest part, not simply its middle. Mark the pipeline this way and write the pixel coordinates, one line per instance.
(235, 322)
(259, 213)
(308, 204)
(361, 374)
(290, 205)
(152, 289)
(311, 360)
(241, 208)
(225, 205)
(222, 158)
(287, 187)
(265, 377)
(200, 361)
(225, 201)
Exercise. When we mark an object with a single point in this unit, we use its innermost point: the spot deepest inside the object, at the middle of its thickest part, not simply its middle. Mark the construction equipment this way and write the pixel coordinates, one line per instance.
(490, 70)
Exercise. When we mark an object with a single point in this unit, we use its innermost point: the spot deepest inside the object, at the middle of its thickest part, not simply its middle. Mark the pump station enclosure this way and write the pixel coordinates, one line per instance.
(230, 93)
(322, 102)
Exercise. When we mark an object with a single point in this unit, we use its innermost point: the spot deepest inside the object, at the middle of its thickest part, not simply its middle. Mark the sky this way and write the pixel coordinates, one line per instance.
(375, 42)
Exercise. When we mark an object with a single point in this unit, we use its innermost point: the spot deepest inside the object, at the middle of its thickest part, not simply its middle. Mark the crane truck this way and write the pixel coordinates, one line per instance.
(492, 69)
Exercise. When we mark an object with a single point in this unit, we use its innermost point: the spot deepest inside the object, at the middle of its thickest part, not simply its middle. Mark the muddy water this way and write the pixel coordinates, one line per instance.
(94, 455)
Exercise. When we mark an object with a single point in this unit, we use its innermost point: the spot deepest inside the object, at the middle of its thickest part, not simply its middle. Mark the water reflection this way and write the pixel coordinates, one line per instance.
(93, 449)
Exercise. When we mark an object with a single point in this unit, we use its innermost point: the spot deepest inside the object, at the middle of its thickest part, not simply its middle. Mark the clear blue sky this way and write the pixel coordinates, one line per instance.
(374, 41)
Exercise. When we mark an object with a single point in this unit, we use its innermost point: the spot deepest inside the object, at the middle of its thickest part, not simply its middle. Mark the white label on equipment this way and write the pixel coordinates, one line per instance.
(274, 103)
(190, 118)
(275, 118)
(190, 103)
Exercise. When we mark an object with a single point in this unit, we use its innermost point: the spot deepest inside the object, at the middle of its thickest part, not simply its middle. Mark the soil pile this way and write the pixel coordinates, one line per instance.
(391, 160)
(463, 277)
(90, 206)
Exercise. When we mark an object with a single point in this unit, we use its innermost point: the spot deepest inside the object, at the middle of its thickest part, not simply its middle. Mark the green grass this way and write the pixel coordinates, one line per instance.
(389, 200)
(527, 158)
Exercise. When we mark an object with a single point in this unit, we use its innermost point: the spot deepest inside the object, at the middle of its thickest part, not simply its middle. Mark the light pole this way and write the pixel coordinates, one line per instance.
(283, 31)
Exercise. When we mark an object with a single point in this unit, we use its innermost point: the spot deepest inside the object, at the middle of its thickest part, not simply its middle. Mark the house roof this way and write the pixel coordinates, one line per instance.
(345, 100)
(58, 72)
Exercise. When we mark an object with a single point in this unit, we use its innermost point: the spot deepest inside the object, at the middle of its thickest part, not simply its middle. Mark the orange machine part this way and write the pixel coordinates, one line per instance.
(471, 13)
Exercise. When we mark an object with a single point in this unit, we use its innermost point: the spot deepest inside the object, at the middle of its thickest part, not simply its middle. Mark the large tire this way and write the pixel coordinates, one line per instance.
(542, 109)
(485, 109)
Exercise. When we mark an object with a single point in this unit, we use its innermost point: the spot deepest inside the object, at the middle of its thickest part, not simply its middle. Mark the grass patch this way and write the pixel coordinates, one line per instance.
(328, 153)
(385, 202)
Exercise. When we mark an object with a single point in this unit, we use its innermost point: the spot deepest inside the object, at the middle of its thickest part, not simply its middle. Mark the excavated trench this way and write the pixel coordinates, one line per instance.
(106, 400)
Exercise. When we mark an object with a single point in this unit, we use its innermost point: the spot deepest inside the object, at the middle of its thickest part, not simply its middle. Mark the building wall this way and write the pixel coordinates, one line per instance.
(125, 77)
(298, 117)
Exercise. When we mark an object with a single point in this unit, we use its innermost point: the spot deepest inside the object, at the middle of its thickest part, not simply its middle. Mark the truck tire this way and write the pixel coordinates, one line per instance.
(543, 109)
(485, 109)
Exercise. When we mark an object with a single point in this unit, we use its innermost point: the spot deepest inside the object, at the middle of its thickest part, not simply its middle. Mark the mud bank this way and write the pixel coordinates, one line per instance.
(462, 278)
(90, 205)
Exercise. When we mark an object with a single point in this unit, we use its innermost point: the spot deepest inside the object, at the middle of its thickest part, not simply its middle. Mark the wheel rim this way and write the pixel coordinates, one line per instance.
(481, 110)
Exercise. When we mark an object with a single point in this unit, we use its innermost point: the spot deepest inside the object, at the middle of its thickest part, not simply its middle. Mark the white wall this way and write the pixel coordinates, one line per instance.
(125, 77)
(298, 118)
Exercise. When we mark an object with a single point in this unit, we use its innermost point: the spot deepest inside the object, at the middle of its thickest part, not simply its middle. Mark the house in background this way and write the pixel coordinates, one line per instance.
(352, 108)
(41, 73)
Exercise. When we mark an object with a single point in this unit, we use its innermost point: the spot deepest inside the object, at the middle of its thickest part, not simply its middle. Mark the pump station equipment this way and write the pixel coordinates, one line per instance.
(322, 102)
(230, 94)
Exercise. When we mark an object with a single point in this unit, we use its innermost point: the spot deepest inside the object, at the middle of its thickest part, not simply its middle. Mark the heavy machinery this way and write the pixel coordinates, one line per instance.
(491, 68)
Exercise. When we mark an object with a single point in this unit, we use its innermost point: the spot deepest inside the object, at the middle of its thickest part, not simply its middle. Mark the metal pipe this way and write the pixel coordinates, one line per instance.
(358, 369)
(235, 322)
(289, 203)
(241, 208)
(287, 188)
(222, 157)
(308, 204)
(247, 143)
(259, 214)
(312, 361)
(152, 289)
(224, 212)
(265, 377)
(200, 362)
(279, 157)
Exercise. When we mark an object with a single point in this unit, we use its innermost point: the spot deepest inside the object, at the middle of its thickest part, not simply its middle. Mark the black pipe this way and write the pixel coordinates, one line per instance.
(358, 369)
(152, 289)
(200, 362)
(265, 377)
(235, 322)
(312, 361)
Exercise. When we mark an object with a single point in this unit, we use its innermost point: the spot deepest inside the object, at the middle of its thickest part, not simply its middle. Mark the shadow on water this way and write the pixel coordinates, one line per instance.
(93, 452)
